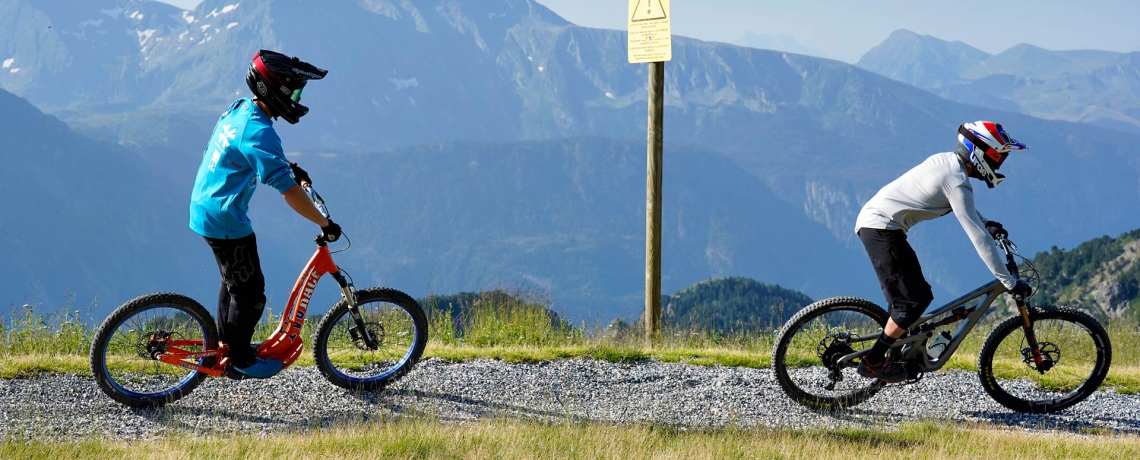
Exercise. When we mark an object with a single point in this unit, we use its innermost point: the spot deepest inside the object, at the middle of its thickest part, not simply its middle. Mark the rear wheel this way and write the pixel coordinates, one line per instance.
(807, 348)
(126, 344)
(394, 321)
(1076, 355)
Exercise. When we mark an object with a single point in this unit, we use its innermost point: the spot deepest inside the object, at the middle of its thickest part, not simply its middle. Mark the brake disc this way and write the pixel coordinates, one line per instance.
(375, 329)
(152, 344)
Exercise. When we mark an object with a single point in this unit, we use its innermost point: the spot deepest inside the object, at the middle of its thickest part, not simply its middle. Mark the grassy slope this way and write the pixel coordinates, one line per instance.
(519, 439)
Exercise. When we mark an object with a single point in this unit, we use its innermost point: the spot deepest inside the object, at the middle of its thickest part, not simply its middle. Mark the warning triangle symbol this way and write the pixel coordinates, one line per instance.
(648, 10)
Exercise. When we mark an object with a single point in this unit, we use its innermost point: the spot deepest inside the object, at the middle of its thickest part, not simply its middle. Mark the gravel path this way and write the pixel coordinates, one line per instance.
(673, 394)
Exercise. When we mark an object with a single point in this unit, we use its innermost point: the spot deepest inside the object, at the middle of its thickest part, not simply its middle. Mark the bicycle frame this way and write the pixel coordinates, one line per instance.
(285, 343)
(913, 344)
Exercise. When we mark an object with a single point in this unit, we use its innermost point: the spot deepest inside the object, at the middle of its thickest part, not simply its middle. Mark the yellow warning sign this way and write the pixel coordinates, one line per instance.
(650, 31)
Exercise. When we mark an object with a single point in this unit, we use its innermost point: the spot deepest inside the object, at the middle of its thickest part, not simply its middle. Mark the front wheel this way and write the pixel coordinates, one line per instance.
(808, 348)
(1075, 351)
(127, 344)
(398, 329)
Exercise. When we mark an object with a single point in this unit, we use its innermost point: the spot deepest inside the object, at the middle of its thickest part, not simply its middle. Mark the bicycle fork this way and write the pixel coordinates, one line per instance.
(1031, 338)
(360, 332)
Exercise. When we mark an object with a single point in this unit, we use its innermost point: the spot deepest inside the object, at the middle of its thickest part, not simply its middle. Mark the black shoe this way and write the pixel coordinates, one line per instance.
(886, 371)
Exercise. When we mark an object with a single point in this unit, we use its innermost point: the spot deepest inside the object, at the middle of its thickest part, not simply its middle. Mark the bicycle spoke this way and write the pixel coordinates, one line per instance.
(390, 325)
(127, 361)
(829, 336)
(1070, 356)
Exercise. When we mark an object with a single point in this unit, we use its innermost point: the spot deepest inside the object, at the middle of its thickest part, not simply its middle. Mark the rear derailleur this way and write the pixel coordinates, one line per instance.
(830, 350)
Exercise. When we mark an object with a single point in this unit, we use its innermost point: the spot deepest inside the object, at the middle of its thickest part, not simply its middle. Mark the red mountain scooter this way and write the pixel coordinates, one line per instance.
(158, 347)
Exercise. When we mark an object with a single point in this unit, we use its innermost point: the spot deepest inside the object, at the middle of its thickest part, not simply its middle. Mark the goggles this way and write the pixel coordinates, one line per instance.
(995, 157)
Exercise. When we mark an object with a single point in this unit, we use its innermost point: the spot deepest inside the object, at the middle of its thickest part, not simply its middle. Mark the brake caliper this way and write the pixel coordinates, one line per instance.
(1050, 356)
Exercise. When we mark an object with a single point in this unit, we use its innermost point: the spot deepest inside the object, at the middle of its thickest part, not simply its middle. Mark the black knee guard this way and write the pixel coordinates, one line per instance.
(241, 298)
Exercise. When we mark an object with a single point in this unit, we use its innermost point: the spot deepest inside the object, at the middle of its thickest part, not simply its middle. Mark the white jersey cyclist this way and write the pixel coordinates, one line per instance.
(935, 188)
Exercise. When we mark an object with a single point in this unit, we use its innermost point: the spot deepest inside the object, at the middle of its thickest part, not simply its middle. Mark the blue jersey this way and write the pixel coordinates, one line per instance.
(243, 149)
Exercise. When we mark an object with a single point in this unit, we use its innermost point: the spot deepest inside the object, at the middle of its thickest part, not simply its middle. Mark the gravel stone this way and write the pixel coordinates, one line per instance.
(681, 395)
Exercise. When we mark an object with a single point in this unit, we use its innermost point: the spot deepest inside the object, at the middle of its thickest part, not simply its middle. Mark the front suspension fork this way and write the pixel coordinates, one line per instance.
(348, 291)
(1030, 336)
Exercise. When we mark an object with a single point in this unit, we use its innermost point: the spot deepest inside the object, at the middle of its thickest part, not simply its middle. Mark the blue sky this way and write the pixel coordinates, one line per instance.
(845, 29)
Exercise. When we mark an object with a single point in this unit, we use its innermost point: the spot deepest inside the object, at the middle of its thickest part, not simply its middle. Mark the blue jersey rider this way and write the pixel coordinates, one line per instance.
(243, 150)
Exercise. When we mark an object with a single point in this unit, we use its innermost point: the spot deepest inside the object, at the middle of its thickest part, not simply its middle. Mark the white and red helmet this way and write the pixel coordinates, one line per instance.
(986, 145)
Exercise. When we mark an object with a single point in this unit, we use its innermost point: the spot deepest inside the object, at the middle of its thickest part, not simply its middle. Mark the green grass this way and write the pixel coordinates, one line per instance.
(516, 328)
(510, 439)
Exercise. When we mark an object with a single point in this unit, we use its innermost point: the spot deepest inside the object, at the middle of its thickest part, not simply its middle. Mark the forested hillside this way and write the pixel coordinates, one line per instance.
(1101, 276)
(732, 305)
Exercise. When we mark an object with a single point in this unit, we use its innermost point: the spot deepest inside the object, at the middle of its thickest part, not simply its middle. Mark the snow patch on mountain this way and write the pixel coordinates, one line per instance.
(136, 15)
(188, 17)
(145, 35)
(17, 69)
(8, 62)
(225, 9)
(231, 25)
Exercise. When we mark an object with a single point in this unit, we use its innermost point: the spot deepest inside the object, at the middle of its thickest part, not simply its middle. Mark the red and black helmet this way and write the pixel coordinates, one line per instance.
(277, 80)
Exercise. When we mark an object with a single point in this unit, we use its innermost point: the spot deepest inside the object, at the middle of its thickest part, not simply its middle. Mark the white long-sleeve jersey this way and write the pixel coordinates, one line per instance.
(933, 189)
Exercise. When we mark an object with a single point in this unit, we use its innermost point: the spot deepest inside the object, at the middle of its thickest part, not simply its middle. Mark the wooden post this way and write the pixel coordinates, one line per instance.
(653, 203)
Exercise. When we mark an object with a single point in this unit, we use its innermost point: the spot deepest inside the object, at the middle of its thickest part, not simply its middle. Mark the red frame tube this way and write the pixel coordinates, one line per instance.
(284, 344)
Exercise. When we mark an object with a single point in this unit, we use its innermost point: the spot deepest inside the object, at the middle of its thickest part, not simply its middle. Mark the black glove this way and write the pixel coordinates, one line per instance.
(1022, 289)
(299, 174)
(996, 230)
(331, 231)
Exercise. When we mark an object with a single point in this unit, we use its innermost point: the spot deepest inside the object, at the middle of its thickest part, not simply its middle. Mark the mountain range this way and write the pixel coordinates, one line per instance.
(564, 216)
(1090, 86)
(82, 220)
(769, 154)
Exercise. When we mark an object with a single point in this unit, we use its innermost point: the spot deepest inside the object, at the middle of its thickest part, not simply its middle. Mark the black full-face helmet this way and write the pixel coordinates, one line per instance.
(277, 80)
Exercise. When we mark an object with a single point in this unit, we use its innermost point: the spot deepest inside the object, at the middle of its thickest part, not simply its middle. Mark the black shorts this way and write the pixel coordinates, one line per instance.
(899, 272)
